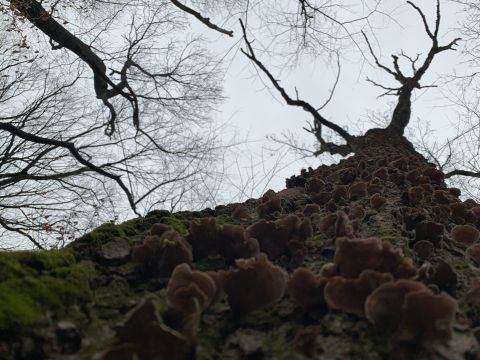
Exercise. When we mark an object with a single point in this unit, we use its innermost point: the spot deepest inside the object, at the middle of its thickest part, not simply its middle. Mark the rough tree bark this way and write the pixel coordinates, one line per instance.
(97, 298)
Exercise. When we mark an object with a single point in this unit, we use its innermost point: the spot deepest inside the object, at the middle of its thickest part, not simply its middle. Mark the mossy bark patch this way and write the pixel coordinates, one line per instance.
(40, 282)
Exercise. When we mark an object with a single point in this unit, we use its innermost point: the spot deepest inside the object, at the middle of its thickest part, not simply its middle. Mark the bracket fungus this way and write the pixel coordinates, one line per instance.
(270, 207)
(321, 198)
(381, 173)
(241, 213)
(349, 295)
(473, 254)
(339, 192)
(426, 318)
(275, 238)
(315, 185)
(160, 254)
(253, 284)
(377, 201)
(375, 186)
(412, 216)
(357, 191)
(355, 255)
(343, 226)
(431, 231)
(472, 296)
(423, 248)
(383, 307)
(311, 209)
(465, 234)
(306, 289)
(411, 314)
(188, 289)
(209, 238)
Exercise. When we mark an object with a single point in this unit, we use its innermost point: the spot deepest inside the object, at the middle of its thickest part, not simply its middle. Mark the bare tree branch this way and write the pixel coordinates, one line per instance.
(457, 172)
(319, 120)
(204, 20)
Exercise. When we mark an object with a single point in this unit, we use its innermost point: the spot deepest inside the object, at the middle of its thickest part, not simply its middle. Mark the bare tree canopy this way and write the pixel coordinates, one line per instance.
(142, 125)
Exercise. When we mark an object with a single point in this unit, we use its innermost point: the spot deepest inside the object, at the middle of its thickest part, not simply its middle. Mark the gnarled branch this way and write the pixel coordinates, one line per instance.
(318, 119)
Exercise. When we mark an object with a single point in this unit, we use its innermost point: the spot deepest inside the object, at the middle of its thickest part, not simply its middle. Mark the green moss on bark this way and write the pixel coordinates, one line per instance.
(37, 282)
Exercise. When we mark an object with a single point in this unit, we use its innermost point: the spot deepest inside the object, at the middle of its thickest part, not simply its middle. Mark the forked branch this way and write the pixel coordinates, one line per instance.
(318, 119)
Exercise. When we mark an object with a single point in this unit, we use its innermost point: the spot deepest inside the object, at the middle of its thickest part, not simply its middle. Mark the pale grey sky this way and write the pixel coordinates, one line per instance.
(261, 112)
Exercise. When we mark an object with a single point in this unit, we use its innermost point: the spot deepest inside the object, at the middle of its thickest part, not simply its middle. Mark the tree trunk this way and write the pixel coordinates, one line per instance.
(71, 301)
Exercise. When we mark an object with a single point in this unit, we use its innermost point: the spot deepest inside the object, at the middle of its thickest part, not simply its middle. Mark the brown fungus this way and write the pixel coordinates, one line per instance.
(381, 173)
(158, 229)
(465, 234)
(442, 197)
(306, 289)
(375, 187)
(355, 255)
(349, 295)
(423, 248)
(412, 216)
(209, 238)
(459, 210)
(383, 307)
(321, 198)
(357, 212)
(326, 224)
(426, 318)
(435, 176)
(315, 185)
(441, 213)
(412, 176)
(159, 255)
(270, 207)
(357, 190)
(241, 212)
(443, 275)
(471, 203)
(455, 192)
(343, 226)
(473, 254)
(310, 209)
(431, 231)
(254, 284)
(415, 195)
(340, 192)
(188, 289)
(472, 296)
(377, 201)
(274, 237)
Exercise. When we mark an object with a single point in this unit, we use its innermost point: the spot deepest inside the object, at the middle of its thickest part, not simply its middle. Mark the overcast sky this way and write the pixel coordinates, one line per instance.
(259, 111)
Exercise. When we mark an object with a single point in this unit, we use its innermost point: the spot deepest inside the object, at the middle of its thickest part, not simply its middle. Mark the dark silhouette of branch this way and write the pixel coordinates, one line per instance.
(8, 227)
(318, 119)
(206, 21)
(462, 173)
(42, 20)
(74, 151)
